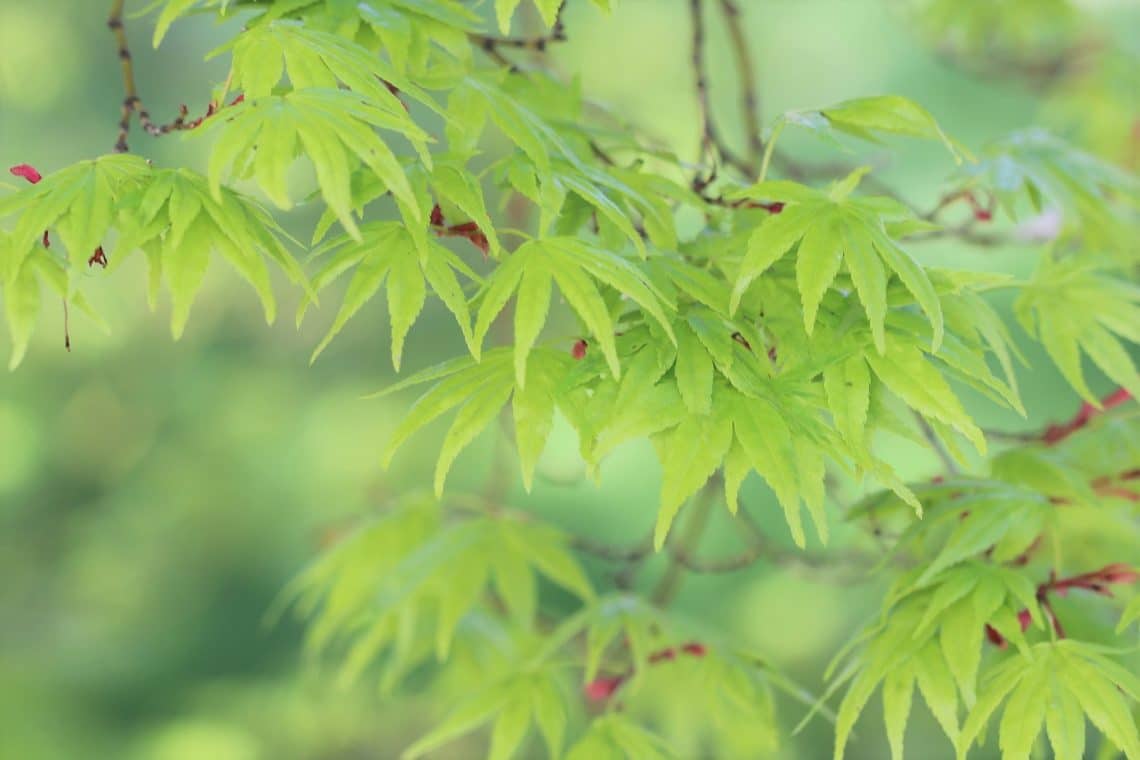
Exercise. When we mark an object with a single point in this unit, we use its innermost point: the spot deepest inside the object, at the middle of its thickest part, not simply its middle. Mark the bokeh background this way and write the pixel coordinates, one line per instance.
(155, 497)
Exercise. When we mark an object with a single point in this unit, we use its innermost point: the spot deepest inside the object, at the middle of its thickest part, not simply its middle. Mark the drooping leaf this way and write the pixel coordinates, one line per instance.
(387, 250)
(1075, 309)
(577, 268)
(180, 222)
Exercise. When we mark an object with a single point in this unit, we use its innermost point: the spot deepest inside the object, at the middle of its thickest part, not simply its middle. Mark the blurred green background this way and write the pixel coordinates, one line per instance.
(155, 497)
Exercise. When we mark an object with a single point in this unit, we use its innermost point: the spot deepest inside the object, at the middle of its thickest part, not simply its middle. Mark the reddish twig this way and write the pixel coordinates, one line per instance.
(467, 230)
(603, 688)
(132, 103)
(493, 46)
(1054, 434)
(32, 175)
(1097, 581)
(981, 212)
(699, 185)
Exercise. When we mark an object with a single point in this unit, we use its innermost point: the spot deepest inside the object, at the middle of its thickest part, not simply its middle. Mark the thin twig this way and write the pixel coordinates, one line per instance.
(708, 140)
(967, 233)
(537, 44)
(1038, 73)
(130, 96)
(746, 73)
(948, 463)
(694, 528)
(741, 561)
(612, 552)
(1055, 433)
(132, 103)
(850, 565)
(492, 45)
(712, 143)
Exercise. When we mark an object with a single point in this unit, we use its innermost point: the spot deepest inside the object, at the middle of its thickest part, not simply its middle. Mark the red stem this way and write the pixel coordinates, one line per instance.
(1096, 581)
(604, 687)
(1054, 434)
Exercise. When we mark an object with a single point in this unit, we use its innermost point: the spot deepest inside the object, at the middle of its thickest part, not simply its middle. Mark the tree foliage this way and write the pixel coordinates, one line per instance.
(786, 335)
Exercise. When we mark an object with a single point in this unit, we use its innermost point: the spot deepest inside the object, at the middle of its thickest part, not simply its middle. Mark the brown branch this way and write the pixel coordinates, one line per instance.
(1054, 434)
(855, 563)
(741, 561)
(682, 554)
(1038, 72)
(746, 73)
(611, 552)
(603, 688)
(492, 45)
(712, 143)
(967, 233)
(632, 557)
(708, 139)
(130, 97)
(948, 463)
(132, 103)
(670, 583)
(535, 44)
(1097, 581)
(804, 172)
(981, 213)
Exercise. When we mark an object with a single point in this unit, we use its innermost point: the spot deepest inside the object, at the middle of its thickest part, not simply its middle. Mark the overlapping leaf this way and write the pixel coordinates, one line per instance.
(178, 221)
(1074, 308)
(509, 707)
(550, 169)
(857, 377)
(1096, 197)
(411, 32)
(786, 445)
(931, 638)
(547, 10)
(173, 10)
(21, 290)
(1054, 688)
(867, 118)
(965, 518)
(480, 390)
(311, 58)
(577, 268)
(454, 568)
(713, 400)
(76, 204)
(409, 576)
(388, 251)
(335, 129)
(828, 231)
(625, 204)
(617, 737)
(980, 29)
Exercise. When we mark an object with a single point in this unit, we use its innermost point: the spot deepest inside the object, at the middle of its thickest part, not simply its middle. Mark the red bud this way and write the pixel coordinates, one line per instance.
(27, 172)
(995, 638)
(603, 687)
